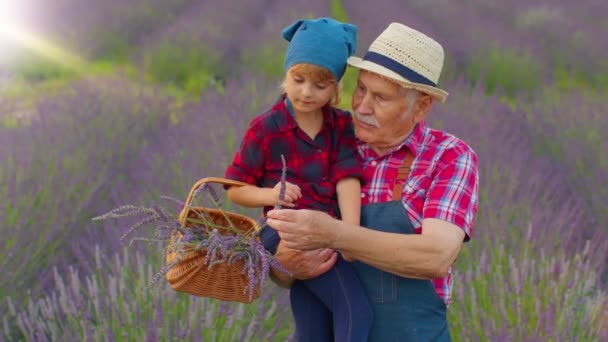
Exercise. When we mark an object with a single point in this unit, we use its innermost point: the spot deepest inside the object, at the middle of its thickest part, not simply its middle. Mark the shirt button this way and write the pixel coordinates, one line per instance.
(319, 150)
(362, 195)
(374, 163)
(324, 178)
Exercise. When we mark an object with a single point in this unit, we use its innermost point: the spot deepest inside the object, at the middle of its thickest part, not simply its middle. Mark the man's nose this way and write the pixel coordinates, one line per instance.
(365, 105)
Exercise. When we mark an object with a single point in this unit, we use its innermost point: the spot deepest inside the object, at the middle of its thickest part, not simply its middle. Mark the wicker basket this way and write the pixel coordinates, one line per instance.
(223, 281)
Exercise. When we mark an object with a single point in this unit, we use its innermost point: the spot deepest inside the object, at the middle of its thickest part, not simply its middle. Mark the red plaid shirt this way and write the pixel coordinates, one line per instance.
(442, 184)
(315, 166)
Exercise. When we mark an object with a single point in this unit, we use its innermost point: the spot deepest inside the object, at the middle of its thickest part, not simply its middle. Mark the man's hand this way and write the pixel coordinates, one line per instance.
(303, 264)
(292, 194)
(348, 257)
(304, 229)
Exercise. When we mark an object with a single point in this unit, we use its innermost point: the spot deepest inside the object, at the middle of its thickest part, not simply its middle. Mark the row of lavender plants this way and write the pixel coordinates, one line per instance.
(68, 158)
(534, 268)
(532, 272)
(101, 143)
(113, 301)
(515, 46)
(528, 274)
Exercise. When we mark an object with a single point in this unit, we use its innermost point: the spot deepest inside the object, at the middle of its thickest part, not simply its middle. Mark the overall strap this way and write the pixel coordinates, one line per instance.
(402, 173)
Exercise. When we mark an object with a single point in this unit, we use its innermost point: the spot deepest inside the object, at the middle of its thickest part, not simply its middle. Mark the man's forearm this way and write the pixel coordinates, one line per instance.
(406, 255)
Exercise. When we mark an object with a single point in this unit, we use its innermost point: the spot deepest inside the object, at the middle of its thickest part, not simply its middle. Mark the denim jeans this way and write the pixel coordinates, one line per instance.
(330, 307)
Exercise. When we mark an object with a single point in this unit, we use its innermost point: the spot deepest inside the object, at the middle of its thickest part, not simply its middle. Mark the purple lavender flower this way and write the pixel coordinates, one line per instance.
(212, 193)
(148, 219)
(179, 203)
(188, 236)
(283, 186)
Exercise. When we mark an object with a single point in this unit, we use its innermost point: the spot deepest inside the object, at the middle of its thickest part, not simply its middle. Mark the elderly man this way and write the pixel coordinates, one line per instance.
(419, 199)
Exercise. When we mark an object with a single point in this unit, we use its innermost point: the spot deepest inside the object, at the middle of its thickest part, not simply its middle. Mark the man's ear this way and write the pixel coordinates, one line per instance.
(422, 107)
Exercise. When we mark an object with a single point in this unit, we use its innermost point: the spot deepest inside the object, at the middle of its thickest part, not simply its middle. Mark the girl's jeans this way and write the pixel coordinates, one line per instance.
(336, 296)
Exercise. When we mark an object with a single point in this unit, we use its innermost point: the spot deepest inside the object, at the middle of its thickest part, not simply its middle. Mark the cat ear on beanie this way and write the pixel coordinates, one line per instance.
(290, 30)
(350, 38)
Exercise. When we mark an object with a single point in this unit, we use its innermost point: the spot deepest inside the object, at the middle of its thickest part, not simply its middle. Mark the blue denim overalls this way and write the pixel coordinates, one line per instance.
(405, 310)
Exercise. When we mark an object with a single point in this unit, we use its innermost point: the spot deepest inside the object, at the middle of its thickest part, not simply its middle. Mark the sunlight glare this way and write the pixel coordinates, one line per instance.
(10, 15)
(13, 32)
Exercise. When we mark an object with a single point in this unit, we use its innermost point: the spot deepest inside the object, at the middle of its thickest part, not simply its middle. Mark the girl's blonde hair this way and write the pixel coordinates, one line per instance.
(317, 74)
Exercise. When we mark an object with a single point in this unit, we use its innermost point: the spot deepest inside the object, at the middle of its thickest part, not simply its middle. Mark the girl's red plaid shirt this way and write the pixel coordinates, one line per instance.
(315, 166)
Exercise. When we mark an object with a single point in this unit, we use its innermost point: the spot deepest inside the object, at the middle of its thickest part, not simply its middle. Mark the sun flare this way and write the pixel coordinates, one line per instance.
(10, 12)
(14, 33)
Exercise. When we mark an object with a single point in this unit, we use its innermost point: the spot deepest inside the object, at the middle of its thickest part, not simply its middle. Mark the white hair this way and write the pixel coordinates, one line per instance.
(411, 95)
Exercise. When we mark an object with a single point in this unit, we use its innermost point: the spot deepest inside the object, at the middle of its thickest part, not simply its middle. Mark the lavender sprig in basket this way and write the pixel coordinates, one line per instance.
(210, 252)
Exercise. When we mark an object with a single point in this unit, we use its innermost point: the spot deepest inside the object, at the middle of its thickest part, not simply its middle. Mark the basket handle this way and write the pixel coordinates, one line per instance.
(200, 183)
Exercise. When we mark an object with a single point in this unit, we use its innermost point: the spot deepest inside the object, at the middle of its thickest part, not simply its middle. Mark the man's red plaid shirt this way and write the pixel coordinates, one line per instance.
(442, 184)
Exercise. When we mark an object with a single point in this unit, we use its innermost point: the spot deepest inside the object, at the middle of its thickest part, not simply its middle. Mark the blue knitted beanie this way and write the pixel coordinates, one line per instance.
(324, 42)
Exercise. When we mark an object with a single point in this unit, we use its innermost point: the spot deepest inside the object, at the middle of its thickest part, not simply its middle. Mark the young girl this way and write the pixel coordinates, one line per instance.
(318, 144)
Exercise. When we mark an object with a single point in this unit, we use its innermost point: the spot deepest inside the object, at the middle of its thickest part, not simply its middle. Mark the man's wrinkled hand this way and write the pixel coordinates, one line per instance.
(303, 229)
(348, 257)
(306, 264)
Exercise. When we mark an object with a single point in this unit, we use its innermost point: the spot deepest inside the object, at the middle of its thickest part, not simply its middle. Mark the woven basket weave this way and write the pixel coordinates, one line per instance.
(223, 281)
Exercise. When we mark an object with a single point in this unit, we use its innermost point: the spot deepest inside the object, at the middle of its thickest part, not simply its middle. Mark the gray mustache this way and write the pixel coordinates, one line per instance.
(370, 120)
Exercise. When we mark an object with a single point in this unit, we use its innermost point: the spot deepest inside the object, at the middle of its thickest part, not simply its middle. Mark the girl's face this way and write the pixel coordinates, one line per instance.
(307, 92)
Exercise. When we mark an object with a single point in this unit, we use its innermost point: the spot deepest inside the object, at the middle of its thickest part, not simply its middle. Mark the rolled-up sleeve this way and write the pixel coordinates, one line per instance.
(247, 164)
(453, 195)
(347, 162)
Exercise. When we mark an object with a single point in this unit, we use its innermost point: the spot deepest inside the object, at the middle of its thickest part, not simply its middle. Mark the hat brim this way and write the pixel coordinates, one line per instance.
(359, 63)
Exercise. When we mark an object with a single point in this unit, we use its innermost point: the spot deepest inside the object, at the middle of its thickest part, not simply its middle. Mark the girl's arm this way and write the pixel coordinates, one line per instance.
(254, 197)
(251, 196)
(349, 199)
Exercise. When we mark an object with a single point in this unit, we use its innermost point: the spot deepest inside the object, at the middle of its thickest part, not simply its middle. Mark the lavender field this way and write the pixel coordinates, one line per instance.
(105, 103)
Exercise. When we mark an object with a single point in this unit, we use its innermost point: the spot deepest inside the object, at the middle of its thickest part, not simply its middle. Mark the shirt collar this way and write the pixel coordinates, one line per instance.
(412, 142)
(415, 139)
(285, 116)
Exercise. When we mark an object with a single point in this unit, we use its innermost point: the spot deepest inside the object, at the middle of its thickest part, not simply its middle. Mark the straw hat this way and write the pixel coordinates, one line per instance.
(406, 56)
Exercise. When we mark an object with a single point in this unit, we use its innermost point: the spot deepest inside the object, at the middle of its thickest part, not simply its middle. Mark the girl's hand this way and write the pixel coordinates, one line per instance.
(292, 194)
